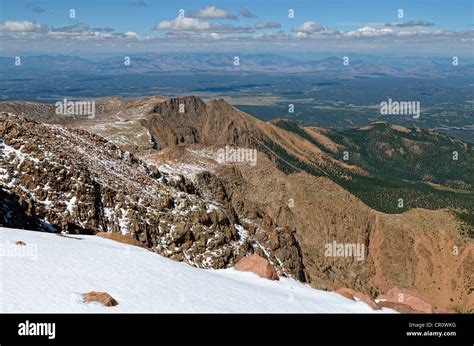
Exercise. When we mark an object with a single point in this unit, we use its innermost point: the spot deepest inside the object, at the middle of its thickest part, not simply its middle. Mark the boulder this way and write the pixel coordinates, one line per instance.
(403, 296)
(122, 238)
(351, 294)
(100, 297)
(258, 265)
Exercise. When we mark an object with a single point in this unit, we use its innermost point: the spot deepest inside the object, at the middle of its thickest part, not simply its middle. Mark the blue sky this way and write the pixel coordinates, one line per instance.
(429, 26)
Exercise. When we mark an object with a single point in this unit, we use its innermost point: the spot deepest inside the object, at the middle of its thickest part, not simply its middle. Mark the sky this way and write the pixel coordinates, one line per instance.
(442, 27)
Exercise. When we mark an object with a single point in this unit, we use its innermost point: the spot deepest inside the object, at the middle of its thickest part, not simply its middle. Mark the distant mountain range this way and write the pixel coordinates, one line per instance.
(159, 170)
(235, 63)
(323, 91)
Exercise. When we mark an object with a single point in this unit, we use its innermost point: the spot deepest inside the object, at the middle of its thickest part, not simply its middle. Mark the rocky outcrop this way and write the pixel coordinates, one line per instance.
(189, 120)
(59, 179)
(353, 295)
(270, 240)
(121, 238)
(403, 296)
(257, 265)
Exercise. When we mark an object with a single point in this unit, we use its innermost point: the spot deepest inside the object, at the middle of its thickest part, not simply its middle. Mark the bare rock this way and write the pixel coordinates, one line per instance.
(258, 265)
(351, 294)
(445, 311)
(126, 239)
(403, 308)
(100, 297)
(403, 296)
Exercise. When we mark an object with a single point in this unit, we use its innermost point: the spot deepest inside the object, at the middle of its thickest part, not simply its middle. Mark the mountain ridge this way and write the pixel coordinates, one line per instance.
(62, 179)
(301, 195)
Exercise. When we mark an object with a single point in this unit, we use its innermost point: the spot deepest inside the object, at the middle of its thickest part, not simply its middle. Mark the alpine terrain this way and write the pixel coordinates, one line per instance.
(371, 211)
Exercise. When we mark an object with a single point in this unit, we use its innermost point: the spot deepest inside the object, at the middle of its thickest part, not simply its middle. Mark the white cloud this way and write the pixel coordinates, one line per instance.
(368, 31)
(193, 24)
(214, 35)
(22, 26)
(211, 12)
(402, 32)
(411, 23)
(183, 24)
(105, 29)
(308, 28)
(79, 27)
(184, 32)
(131, 34)
(278, 35)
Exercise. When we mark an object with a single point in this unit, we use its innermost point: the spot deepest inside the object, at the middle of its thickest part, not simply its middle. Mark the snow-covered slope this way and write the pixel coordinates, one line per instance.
(51, 272)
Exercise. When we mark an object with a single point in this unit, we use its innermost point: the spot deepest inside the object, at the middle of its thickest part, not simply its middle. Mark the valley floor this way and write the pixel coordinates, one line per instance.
(51, 272)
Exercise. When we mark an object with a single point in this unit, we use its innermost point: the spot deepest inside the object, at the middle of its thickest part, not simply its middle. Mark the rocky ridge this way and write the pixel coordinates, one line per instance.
(60, 179)
(288, 213)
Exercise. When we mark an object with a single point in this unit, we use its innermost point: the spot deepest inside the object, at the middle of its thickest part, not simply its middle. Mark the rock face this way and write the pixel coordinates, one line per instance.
(100, 297)
(59, 179)
(413, 249)
(189, 120)
(298, 185)
(403, 296)
(258, 265)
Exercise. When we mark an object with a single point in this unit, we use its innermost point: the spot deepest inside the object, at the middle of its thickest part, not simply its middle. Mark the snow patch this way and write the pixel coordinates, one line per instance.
(142, 281)
(243, 233)
(17, 153)
(123, 222)
(186, 169)
(71, 204)
(211, 207)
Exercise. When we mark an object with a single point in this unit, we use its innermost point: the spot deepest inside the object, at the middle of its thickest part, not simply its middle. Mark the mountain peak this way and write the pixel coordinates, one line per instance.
(187, 105)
